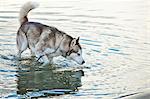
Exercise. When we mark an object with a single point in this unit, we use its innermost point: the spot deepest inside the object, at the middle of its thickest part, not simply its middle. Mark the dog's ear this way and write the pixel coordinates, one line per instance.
(77, 41)
(73, 42)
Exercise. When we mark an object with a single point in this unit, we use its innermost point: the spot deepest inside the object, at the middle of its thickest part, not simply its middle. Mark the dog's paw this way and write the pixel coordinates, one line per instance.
(40, 60)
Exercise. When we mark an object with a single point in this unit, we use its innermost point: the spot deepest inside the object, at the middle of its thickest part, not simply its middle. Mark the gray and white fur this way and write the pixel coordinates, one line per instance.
(45, 42)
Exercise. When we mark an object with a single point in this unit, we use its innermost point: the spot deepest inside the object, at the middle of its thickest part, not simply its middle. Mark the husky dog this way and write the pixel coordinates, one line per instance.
(45, 42)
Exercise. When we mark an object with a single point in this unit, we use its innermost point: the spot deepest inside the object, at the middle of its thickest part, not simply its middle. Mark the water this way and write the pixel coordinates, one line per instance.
(116, 46)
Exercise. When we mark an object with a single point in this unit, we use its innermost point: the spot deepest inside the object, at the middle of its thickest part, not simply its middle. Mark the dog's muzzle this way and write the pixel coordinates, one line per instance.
(83, 62)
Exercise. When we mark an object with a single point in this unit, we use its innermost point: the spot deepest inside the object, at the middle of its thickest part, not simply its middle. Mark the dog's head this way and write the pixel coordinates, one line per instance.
(75, 52)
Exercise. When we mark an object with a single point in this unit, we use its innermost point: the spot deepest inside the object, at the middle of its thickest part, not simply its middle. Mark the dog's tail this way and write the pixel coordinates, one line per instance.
(25, 10)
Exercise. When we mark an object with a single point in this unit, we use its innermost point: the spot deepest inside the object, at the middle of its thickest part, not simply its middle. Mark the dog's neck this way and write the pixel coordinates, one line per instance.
(65, 45)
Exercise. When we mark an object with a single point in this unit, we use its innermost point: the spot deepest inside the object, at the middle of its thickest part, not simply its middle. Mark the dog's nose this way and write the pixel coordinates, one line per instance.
(83, 62)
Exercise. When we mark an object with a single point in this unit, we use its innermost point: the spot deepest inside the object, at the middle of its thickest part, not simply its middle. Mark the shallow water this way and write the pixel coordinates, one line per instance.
(116, 46)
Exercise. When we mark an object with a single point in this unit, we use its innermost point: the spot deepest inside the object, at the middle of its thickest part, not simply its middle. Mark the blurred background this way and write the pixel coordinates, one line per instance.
(116, 46)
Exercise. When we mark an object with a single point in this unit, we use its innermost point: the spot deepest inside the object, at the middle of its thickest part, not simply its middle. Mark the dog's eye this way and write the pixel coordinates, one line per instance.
(78, 54)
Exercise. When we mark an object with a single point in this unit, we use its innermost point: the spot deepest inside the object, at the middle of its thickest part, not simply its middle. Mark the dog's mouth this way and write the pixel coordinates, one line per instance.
(81, 63)
(78, 62)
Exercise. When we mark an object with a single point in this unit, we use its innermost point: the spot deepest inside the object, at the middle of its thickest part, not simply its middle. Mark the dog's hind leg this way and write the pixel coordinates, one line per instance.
(32, 53)
(22, 43)
(32, 50)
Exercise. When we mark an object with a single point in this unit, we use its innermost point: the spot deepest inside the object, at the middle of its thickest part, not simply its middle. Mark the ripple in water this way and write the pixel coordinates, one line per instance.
(115, 47)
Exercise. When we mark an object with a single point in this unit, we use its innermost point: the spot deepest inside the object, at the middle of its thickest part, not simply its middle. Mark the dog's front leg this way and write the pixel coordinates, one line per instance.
(42, 52)
(46, 60)
(41, 57)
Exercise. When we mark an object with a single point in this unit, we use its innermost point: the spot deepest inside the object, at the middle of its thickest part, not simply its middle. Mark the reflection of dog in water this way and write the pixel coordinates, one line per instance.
(45, 42)
(46, 81)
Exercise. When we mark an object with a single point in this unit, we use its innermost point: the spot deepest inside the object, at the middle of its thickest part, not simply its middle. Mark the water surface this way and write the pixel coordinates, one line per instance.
(116, 46)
